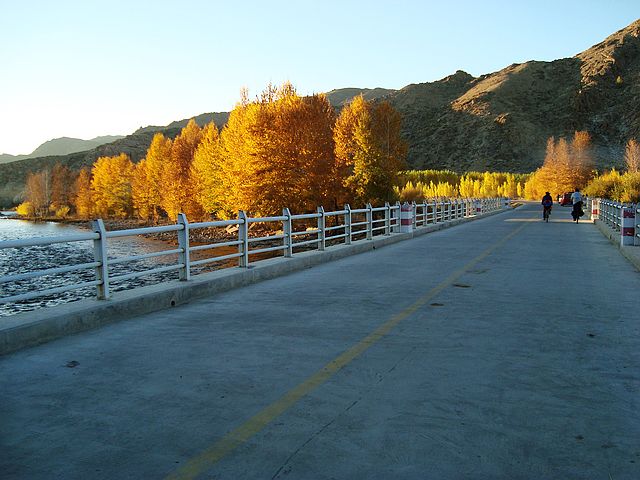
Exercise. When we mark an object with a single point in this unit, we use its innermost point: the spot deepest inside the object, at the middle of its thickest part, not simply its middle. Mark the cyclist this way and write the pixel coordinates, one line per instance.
(576, 200)
(547, 204)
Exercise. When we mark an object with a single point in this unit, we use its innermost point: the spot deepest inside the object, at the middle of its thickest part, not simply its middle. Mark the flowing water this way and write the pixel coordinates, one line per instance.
(27, 259)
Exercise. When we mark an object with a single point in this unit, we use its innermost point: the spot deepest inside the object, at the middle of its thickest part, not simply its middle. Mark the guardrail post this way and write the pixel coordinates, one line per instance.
(406, 222)
(243, 238)
(636, 229)
(347, 224)
(595, 209)
(286, 230)
(369, 214)
(100, 255)
(387, 218)
(414, 213)
(627, 225)
(183, 242)
(395, 218)
(322, 234)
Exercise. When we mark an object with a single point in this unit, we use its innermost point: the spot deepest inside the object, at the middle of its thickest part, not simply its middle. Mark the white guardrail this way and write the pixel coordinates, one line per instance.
(342, 226)
(623, 218)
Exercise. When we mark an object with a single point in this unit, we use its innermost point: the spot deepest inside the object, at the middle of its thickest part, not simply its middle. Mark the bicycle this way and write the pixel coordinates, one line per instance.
(545, 214)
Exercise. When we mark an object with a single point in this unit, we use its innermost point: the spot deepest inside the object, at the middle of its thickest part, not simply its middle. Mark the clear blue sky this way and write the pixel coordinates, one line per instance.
(83, 68)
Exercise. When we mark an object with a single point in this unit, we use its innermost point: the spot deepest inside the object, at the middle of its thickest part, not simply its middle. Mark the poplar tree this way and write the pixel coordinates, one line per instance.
(206, 171)
(62, 186)
(38, 191)
(278, 152)
(632, 156)
(111, 186)
(83, 200)
(369, 149)
(158, 155)
(177, 192)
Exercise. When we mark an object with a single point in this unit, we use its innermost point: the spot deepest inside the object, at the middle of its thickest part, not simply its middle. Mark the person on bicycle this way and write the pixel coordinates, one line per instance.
(576, 200)
(547, 204)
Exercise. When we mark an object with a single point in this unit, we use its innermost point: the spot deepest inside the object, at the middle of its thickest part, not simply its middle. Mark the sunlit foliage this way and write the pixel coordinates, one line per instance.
(281, 150)
(632, 156)
(111, 186)
(615, 186)
(445, 183)
(83, 200)
(147, 189)
(177, 190)
(369, 148)
(566, 166)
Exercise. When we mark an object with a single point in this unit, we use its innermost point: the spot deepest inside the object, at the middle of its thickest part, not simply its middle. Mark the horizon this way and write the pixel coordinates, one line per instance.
(83, 72)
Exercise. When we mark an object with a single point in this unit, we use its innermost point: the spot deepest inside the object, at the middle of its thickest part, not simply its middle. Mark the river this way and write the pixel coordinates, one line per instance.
(28, 259)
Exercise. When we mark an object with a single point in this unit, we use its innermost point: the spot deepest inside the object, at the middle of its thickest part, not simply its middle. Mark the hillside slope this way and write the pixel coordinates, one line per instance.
(501, 121)
(62, 146)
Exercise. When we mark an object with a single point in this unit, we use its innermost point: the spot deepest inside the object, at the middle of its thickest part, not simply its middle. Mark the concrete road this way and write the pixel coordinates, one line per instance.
(501, 348)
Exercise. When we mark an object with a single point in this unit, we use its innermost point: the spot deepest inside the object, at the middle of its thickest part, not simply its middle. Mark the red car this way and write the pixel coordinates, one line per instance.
(565, 200)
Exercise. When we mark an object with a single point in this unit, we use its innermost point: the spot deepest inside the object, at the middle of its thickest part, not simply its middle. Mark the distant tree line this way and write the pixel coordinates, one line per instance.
(281, 150)
(571, 164)
(419, 185)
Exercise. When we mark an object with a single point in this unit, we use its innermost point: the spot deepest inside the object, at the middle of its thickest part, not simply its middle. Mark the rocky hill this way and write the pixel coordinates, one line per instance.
(499, 121)
(62, 146)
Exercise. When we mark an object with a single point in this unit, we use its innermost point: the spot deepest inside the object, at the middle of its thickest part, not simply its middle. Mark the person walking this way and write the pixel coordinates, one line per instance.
(576, 200)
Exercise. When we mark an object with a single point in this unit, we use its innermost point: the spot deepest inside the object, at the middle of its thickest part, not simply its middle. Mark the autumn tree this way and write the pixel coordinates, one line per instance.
(566, 166)
(83, 200)
(369, 149)
(294, 162)
(158, 155)
(140, 191)
(237, 148)
(582, 161)
(207, 174)
(632, 156)
(38, 191)
(62, 188)
(111, 186)
(178, 193)
(278, 152)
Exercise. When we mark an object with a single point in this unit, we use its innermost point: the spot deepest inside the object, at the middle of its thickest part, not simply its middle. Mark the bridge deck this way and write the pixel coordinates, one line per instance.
(501, 348)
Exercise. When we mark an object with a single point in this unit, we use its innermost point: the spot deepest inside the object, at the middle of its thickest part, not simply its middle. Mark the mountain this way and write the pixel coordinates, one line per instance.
(501, 121)
(498, 121)
(62, 146)
(342, 96)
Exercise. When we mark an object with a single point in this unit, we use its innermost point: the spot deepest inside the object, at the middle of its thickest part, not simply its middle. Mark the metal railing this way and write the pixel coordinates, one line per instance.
(317, 230)
(623, 218)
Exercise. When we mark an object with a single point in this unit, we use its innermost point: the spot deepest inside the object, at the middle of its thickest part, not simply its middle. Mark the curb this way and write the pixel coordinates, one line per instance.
(631, 253)
(40, 326)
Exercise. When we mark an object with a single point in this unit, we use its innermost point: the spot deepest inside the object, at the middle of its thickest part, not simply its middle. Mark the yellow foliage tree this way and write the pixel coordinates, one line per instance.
(83, 200)
(632, 156)
(206, 171)
(178, 191)
(111, 186)
(152, 186)
(370, 149)
(140, 191)
(278, 152)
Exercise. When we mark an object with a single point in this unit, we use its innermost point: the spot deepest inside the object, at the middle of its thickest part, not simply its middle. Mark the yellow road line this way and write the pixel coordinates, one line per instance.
(209, 457)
